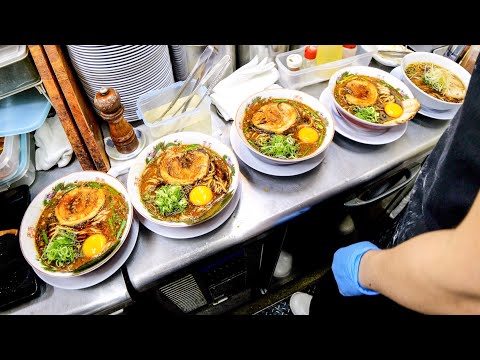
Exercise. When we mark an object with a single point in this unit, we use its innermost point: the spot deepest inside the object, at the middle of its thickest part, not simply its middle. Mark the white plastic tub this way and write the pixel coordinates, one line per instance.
(315, 74)
(149, 108)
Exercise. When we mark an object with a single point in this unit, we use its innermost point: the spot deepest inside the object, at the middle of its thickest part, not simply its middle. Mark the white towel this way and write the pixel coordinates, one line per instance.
(53, 145)
(247, 80)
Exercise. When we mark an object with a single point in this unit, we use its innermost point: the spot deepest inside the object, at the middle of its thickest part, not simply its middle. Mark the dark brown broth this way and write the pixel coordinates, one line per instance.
(254, 134)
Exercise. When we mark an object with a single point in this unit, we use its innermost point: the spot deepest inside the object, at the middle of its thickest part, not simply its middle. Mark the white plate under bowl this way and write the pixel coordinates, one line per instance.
(270, 169)
(424, 110)
(100, 274)
(195, 230)
(355, 133)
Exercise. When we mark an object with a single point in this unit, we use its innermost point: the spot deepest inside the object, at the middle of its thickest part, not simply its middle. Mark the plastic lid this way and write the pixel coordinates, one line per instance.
(12, 53)
(350, 46)
(310, 52)
(23, 112)
(294, 61)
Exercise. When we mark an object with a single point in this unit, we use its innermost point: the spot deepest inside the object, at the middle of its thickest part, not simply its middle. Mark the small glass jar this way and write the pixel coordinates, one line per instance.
(294, 62)
(349, 51)
(310, 55)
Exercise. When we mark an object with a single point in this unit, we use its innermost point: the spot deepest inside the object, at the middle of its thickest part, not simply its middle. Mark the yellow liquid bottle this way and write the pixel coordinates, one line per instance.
(328, 53)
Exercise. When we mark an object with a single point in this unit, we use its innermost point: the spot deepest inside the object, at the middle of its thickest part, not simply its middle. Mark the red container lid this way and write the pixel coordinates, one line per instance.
(350, 46)
(310, 52)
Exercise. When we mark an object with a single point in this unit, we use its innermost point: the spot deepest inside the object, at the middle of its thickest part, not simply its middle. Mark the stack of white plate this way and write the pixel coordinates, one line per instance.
(179, 62)
(132, 70)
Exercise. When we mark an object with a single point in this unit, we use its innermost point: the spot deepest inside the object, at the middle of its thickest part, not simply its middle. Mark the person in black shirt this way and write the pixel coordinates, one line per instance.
(437, 270)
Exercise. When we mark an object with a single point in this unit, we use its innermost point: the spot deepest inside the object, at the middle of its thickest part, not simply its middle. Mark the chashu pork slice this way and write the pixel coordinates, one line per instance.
(410, 108)
(79, 205)
(275, 117)
(362, 93)
(184, 168)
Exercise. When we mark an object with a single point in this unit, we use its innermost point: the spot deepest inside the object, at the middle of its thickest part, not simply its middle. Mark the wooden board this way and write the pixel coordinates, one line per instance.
(61, 107)
(82, 110)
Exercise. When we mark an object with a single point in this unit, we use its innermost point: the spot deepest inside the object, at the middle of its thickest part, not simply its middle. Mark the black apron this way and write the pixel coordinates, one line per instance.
(450, 178)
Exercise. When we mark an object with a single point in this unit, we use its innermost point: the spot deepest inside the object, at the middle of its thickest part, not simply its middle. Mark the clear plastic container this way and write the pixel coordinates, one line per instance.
(152, 104)
(10, 156)
(17, 70)
(25, 171)
(315, 74)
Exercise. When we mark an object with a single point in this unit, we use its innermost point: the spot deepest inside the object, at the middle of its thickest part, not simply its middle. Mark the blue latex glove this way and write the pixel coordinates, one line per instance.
(346, 262)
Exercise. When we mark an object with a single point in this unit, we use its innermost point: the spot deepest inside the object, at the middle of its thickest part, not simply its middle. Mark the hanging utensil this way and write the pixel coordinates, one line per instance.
(199, 67)
(221, 65)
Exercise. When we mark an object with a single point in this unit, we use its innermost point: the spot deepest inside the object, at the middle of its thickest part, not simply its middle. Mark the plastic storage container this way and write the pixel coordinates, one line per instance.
(10, 156)
(17, 70)
(23, 112)
(152, 104)
(25, 171)
(298, 79)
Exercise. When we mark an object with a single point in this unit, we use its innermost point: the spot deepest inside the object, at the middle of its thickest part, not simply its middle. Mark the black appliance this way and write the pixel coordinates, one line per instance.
(18, 282)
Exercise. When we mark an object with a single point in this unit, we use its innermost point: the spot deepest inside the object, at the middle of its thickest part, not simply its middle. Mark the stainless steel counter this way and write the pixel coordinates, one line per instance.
(265, 201)
(269, 200)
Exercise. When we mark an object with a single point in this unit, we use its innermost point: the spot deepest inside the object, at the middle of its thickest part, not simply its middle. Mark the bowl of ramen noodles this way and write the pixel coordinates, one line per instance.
(76, 224)
(372, 98)
(436, 81)
(183, 179)
(283, 127)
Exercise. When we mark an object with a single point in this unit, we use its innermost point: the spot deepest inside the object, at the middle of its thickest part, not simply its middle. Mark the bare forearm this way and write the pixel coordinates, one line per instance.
(430, 273)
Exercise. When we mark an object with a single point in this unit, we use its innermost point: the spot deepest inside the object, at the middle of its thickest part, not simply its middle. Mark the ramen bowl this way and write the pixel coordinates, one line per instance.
(49, 201)
(183, 179)
(317, 112)
(375, 73)
(424, 98)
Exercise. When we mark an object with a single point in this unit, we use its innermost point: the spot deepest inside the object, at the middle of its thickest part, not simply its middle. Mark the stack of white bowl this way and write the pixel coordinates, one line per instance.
(179, 62)
(132, 70)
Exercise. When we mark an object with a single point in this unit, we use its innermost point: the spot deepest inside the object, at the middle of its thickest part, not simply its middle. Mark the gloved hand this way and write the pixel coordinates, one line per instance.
(346, 262)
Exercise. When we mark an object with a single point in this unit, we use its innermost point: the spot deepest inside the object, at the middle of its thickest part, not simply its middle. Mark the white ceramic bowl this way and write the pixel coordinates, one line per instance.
(34, 210)
(296, 95)
(186, 137)
(368, 71)
(428, 100)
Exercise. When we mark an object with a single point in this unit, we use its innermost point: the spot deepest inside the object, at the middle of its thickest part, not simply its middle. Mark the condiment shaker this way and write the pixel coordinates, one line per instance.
(107, 102)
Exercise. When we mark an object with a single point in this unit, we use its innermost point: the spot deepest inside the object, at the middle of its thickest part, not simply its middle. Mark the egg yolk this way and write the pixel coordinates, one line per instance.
(200, 195)
(93, 245)
(393, 109)
(308, 135)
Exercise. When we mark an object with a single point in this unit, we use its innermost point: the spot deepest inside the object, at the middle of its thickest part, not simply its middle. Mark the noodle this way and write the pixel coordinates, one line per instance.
(436, 81)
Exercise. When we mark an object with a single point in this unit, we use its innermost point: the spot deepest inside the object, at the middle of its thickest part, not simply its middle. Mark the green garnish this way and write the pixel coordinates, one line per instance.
(279, 100)
(318, 125)
(253, 144)
(63, 249)
(110, 222)
(366, 113)
(280, 146)
(320, 138)
(306, 151)
(191, 147)
(436, 79)
(45, 237)
(346, 76)
(314, 114)
(124, 222)
(170, 199)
